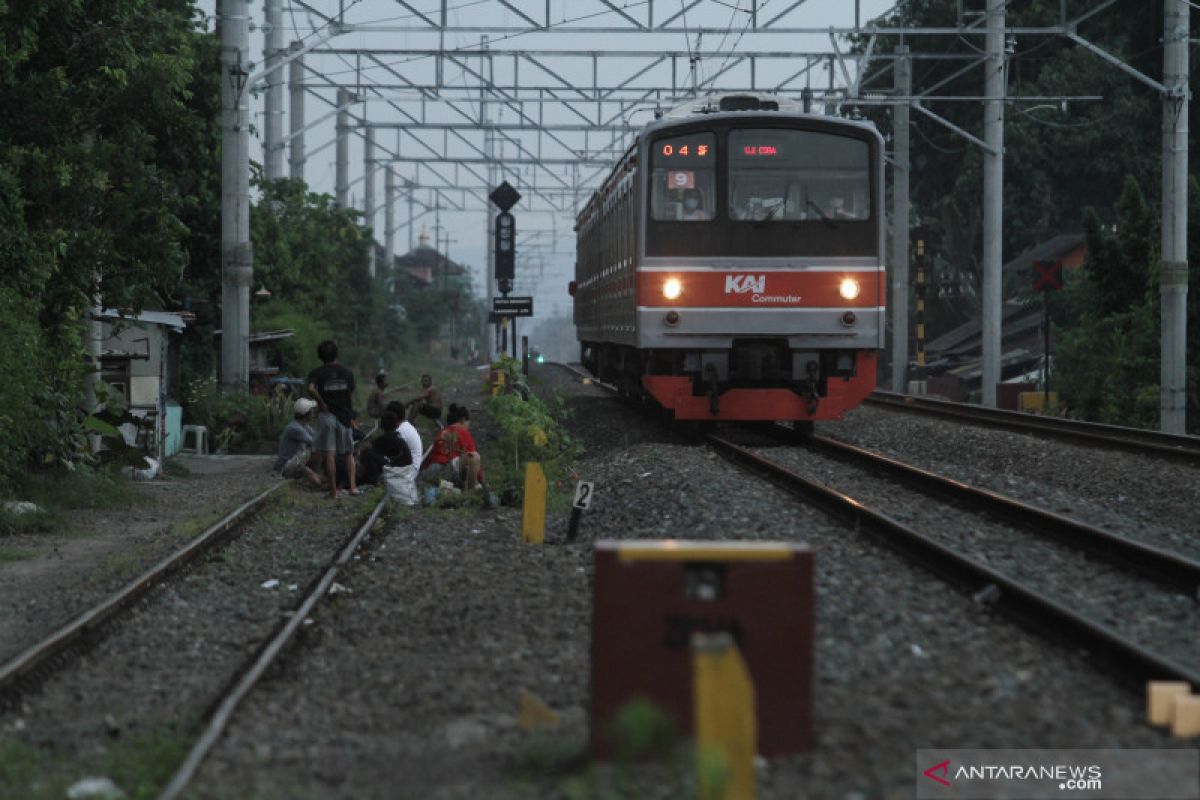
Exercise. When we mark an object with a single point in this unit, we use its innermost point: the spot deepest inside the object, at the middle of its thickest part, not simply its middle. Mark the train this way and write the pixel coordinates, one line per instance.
(730, 266)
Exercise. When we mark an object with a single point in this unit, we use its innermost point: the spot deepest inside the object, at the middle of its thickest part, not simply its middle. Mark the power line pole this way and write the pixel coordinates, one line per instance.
(1174, 271)
(900, 213)
(273, 103)
(369, 195)
(296, 116)
(389, 220)
(342, 147)
(237, 260)
(993, 200)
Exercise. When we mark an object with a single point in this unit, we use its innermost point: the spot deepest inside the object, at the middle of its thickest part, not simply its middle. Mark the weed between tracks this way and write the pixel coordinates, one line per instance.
(647, 750)
(140, 765)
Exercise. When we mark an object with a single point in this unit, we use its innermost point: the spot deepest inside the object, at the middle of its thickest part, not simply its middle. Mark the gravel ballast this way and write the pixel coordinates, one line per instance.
(1146, 498)
(411, 683)
(151, 677)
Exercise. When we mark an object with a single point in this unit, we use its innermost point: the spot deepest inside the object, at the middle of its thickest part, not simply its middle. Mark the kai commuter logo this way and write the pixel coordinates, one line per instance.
(742, 284)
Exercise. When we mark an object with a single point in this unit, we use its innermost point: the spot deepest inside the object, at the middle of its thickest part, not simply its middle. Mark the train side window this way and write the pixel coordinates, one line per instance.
(683, 178)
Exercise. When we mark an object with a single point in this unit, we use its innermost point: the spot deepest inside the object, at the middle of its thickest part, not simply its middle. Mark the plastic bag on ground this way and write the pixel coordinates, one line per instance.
(401, 483)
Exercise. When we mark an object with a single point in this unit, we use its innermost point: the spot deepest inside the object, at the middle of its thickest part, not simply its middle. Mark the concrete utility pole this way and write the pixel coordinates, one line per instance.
(273, 103)
(237, 259)
(296, 116)
(1174, 271)
(993, 200)
(342, 167)
(900, 213)
(369, 195)
(389, 221)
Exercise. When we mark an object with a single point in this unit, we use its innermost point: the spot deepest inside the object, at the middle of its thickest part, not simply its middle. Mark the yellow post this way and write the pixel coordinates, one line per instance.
(726, 725)
(533, 523)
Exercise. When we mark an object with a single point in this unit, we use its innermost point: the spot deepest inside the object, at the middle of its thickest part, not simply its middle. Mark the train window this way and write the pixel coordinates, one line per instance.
(779, 174)
(683, 180)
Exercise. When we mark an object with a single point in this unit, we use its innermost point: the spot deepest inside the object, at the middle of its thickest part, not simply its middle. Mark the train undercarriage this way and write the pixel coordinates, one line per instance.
(756, 379)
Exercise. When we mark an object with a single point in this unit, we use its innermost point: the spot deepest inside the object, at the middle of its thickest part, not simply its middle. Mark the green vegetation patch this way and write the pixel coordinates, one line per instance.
(531, 430)
(140, 766)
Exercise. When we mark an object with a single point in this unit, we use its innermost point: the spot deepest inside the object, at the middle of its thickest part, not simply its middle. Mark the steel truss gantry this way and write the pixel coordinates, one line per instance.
(447, 97)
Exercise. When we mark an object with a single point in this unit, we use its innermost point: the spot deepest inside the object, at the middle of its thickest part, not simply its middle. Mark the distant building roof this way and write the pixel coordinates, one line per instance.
(167, 318)
(1049, 250)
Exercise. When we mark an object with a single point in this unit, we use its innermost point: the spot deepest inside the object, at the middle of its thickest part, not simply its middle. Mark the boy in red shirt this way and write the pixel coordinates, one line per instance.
(454, 456)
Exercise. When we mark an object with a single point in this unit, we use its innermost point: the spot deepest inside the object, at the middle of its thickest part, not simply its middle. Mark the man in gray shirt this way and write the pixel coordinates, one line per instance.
(295, 445)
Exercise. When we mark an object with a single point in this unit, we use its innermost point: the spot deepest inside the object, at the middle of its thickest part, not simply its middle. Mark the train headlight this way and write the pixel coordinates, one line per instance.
(849, 288)
(672, 288)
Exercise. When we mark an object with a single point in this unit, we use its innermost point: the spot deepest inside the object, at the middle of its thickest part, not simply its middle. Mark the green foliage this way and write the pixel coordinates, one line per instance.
(1107, 354)
(237, 422)
(640, 730)
(298, 352)
(313, 256)
(531, 430)
(107, 176)
(1058, 160)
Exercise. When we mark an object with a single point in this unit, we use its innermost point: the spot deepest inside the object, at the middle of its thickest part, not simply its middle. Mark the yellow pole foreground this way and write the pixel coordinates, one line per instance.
(726, 726)
(533, 523)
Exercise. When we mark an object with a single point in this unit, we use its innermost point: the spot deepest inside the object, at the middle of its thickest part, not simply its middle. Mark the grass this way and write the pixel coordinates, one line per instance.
(140, 766)
(79, 488)
(8, 554)
(36, 522)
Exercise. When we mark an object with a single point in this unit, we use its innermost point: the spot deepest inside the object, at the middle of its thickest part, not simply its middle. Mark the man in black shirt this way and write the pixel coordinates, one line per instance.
(332, 386)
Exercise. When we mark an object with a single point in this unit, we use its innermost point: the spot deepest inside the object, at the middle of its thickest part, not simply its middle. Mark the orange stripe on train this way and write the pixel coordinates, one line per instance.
(772, 289)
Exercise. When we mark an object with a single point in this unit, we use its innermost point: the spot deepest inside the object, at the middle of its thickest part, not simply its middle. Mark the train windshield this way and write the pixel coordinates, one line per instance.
(790, 175)
(743, 189)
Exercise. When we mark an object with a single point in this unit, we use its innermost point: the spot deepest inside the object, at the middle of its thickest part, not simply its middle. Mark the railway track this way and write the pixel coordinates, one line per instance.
(107, 632)
(27, 668)
(268, 655)
(1184, 449)
(1130, 662)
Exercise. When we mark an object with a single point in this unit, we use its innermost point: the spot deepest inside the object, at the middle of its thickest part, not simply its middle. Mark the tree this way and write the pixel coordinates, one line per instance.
(104, 157)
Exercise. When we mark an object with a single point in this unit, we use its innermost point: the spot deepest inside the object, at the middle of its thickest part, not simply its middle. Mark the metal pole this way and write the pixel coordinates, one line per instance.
(1174, 270)
(342, 164)
(993, 200)
(296, 116)
(389, 221)
(900, 213)
(369, 196)
(273, 103)
(237, 261)
(1046, 352)
(411, 190)
(919, 379)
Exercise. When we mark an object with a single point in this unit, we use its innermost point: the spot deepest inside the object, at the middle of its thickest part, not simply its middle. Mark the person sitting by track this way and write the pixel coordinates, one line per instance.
(398, 445)
(427, 404)
(294, 457)
(454, 456)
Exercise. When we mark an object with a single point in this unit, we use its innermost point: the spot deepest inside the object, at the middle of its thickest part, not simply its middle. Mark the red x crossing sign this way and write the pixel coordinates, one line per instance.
(1047, 276)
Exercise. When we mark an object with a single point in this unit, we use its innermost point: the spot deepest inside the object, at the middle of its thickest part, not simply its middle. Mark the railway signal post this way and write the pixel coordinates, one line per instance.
(505, 249)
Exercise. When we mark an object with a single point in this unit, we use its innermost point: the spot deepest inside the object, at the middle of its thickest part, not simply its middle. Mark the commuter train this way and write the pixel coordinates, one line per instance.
(731, 268)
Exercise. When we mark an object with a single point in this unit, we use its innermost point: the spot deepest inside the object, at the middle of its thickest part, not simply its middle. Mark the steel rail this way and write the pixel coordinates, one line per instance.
(1157, 564)
(263, 659)
(1130, 662)
(42, 654)
(1185, 449)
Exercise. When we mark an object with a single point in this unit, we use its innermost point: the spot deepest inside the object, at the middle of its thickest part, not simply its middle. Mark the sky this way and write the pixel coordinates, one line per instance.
(545, 237)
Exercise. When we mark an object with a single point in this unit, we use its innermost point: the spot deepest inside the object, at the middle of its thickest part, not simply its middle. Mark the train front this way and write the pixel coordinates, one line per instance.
(760, 287)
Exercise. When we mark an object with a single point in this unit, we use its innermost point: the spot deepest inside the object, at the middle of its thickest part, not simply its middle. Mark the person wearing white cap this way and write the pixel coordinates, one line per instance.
(295, 445)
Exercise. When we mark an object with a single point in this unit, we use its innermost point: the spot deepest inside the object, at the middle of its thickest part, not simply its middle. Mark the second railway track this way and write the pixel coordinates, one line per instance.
(1180, 448)
(1129, 624)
